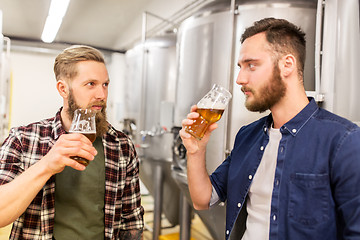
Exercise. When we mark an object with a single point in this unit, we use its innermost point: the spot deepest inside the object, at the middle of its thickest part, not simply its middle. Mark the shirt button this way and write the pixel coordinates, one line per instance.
(281, 149)
(262, 148)
(294, 130)
(274, 217)
(239, 205)
(227, 232)
(277, 182)
(250, 177)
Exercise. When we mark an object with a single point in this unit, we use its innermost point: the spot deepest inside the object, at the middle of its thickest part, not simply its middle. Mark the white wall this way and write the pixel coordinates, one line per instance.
(34, 94)
(115, 110)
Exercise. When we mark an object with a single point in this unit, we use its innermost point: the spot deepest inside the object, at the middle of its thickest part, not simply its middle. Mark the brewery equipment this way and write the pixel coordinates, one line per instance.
(340, 56)
(4, 84)
(149, 100)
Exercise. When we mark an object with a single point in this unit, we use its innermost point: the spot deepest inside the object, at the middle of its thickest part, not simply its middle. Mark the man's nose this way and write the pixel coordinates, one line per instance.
(241, 78)
(101, 92)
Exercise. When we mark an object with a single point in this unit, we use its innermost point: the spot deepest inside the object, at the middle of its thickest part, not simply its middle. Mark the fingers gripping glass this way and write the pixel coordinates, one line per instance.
(210, 107)
(84, 123)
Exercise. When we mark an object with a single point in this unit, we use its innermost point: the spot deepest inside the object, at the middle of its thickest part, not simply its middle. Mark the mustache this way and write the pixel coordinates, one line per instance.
(246, 89)
(97, 103)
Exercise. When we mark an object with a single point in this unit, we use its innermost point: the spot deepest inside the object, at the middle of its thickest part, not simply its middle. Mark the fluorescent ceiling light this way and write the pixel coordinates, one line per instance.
(51, 28)
(53, 21)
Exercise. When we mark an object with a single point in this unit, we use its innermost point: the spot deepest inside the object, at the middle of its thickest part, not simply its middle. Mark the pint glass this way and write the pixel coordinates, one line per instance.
(84, 123)
(210, 107)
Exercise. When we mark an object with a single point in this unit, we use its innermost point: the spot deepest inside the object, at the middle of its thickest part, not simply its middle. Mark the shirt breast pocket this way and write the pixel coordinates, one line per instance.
(309, 198)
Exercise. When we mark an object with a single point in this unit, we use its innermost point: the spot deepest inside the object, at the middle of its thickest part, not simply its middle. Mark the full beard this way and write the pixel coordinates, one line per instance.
(100, 118)
(268, 95)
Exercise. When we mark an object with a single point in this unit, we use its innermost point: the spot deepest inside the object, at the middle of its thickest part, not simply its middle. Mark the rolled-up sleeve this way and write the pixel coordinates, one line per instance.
(10, 158)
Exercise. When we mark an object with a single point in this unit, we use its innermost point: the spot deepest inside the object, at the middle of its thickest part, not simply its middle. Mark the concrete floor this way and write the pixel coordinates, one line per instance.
(198, 230)
(168, 232)
(4, 232)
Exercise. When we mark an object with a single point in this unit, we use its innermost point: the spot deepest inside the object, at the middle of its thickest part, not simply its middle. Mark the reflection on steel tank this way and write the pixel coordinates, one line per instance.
(149, 101)
(208, 46)
(340, 58)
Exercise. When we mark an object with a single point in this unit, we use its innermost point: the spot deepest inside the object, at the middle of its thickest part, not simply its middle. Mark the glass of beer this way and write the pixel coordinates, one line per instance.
(84, 123)
(210, 108)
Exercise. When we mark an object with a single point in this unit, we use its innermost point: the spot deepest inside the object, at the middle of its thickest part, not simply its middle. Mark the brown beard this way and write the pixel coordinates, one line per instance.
(268, 95)
(100, 119)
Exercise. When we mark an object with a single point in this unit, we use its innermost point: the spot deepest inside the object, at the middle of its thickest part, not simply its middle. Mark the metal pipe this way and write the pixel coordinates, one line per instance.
(179, 16)
(319, 18)
(158, 199)
(185, 218)
(161, 18)
(8, 45)
(143, 29)
(231, 75)
(143, 73)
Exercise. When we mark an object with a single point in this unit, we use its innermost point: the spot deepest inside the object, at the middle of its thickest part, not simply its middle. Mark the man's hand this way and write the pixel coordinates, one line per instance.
(191, 144)
(73, 144)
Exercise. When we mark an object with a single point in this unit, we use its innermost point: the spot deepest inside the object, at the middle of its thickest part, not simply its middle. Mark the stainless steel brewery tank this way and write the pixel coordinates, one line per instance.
(149, 100)
(208, 46)
(340, 58)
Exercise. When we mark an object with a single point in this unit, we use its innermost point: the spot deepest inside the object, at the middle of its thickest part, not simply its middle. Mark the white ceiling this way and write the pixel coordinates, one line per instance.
(108, 24)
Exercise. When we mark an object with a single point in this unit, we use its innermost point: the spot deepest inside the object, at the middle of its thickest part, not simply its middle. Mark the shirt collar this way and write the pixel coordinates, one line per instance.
(57, 127)
(296, 123)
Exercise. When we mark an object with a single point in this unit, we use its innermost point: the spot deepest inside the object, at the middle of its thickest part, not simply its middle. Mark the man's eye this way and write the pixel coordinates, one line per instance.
(90, 83)
(251, 66)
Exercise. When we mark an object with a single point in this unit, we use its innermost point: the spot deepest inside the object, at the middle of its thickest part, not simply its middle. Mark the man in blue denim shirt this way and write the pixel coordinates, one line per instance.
(294, 174)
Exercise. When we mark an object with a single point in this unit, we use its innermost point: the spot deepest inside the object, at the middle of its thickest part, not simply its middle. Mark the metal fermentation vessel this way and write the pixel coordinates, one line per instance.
(340, 47)
(150, 91)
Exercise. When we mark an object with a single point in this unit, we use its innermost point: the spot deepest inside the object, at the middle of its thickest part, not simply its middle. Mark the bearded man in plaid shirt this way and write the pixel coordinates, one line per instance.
(48, 195)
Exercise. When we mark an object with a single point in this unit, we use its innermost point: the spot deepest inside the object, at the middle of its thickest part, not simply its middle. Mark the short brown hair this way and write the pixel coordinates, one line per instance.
(283, 36)
(64, 66)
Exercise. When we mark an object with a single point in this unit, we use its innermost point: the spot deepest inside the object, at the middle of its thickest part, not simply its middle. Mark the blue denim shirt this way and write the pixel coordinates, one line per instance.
(316, 190)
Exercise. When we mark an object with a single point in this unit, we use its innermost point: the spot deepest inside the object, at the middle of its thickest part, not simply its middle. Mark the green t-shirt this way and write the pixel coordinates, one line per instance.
(79, 200)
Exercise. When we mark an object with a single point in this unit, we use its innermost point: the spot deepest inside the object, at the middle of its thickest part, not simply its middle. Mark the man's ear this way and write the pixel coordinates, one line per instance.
(63, 88)
(287, 65)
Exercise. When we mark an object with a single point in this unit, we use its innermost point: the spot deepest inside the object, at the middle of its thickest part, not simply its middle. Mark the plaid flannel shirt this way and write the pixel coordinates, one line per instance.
(27, 145)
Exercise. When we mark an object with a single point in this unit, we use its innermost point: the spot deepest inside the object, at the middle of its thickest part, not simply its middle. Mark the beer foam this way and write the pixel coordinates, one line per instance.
(207, 103)
(83, 132)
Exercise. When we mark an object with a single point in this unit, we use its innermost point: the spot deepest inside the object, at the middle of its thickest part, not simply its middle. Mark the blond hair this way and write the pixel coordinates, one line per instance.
(65, 62)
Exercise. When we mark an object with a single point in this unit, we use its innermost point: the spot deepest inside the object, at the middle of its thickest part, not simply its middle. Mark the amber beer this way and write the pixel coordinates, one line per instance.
(90, 136)
(206, 118)
(83, 161)
(210, 107)
(84, 122)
